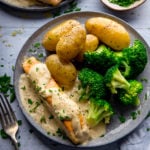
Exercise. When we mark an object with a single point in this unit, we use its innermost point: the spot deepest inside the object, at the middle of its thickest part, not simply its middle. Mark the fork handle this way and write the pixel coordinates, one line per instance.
(16, 145)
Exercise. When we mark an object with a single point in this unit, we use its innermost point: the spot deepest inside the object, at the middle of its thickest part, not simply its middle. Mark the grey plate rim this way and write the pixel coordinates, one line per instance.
(96, 142)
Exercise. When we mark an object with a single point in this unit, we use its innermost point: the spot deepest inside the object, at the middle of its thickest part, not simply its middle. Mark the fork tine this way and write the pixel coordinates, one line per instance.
(8, 119)
(8, 114)
(10, 108)
(3, 120)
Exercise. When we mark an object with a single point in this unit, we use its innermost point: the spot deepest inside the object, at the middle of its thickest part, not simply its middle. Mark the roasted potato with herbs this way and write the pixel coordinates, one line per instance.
(69, 45)
(51, 37)
(109, 32)
(63, 72)
(91, 44)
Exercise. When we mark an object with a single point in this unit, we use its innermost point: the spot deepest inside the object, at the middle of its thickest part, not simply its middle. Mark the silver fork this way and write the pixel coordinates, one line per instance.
(8, 119)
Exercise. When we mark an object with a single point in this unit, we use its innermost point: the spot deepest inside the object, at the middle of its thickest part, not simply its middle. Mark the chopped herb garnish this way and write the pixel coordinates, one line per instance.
(122, 119)
(57, 13)
(37, 69)
(43, 119)
(3, 134)
(37, 45)
(64, 118)
(145, 96)
(40, 55)
(13, 68)
(50, 91)
(48, 133)
(37, 104)
(38, 88)
(139, 112)
(1, 65)
(102, 135)
(51, 117)
(144, 80)
(148, 115)
(12, 95)
(59, 132)
(6, 87)
(19, 122)
(34, 82)
(123, 3)
(30, 101)
(14, 33)
(134, 115)
(71, 95)
(31, 131)
(148, 129)
(72, 7)
(77, 9)
(19, 144)
(23, 88)
(19, 137)
(32, 50)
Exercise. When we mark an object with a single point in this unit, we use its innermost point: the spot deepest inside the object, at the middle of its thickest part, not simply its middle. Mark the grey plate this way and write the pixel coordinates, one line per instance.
(115, 130)
(35, 8)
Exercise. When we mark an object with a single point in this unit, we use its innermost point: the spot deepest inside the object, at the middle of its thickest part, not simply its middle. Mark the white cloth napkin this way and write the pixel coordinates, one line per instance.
(139, 139)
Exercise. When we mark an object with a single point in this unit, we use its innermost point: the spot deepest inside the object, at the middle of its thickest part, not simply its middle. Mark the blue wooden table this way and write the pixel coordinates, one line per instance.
(16, 28)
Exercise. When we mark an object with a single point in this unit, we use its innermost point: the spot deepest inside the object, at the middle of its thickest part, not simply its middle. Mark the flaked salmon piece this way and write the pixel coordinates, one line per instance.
(73, 124)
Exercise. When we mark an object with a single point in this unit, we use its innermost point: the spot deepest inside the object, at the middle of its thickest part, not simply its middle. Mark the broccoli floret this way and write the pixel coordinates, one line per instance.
(135, 59)
(92, 84)
(130, 96)
(114, 80)
(99, 110)
(121, 61)
(100, 60)
(131, 61)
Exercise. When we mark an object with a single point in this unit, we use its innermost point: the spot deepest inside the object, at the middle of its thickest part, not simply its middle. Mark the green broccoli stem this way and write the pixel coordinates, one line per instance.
(95, 116)
(119, 82)
(126, 68)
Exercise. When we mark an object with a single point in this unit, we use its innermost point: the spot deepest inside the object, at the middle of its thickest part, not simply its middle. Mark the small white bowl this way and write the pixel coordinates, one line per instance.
(120, 8)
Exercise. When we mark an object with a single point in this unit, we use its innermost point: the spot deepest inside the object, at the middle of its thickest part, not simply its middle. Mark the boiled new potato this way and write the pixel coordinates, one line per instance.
(51, 37)
(109, 32)
(63, 72)
(91, 43)
(71, 43)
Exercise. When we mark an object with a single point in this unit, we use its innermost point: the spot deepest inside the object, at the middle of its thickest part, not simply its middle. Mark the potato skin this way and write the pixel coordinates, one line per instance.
(63, 72)
(51, 37)
(91, 43)
(109, 32)
(71, 43)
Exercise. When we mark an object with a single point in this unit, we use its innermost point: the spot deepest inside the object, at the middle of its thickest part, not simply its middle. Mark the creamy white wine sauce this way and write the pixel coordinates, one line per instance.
(39, 112)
